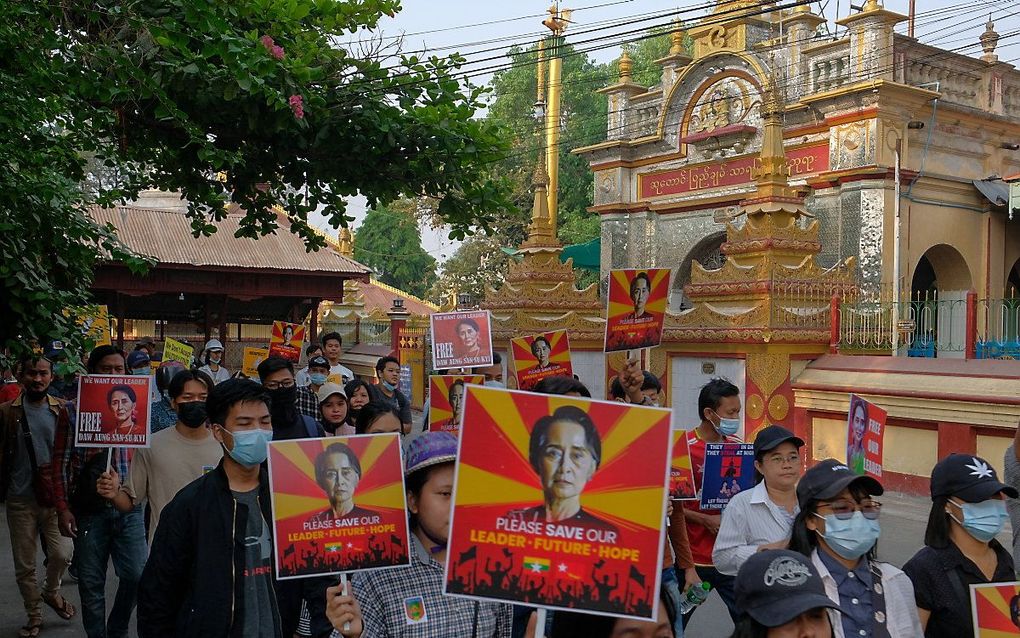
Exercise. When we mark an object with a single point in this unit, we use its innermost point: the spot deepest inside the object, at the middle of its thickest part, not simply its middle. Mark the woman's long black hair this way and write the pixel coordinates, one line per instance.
(804, 540)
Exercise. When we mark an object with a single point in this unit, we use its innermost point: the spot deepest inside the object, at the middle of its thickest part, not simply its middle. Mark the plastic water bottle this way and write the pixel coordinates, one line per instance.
(694, 597)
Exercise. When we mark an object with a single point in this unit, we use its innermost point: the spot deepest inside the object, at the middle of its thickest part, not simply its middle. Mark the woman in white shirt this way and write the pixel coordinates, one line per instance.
(837, 528)
(761, 518)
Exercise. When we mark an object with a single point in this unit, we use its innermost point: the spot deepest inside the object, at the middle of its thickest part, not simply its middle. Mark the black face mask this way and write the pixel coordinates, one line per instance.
(283, 408)
(192, 414)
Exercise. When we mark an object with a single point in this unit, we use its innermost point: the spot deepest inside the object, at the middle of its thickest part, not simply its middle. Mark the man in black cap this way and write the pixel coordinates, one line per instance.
(307, 402)
(761, 518)
(779, 589)
(967, 512)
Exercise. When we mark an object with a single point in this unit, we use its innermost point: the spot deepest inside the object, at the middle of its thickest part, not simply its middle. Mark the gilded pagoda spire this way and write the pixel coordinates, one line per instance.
(345, 242)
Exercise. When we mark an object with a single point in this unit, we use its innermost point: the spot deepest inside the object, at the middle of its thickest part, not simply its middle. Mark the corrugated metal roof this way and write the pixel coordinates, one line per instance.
(165, 235)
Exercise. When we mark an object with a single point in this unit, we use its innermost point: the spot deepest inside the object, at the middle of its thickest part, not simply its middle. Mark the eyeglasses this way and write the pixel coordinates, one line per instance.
(793, 459)
(844, 510)
(276, 385)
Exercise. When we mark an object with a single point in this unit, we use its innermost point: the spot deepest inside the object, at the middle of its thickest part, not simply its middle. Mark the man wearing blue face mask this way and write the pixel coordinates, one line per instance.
(960, 549)
(719, 411)
(196, 588)
(837, 528)
(307, 402)
(387, 391)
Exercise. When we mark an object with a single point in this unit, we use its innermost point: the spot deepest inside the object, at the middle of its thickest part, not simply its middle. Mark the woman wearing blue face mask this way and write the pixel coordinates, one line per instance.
(960, 549)
(837, 527)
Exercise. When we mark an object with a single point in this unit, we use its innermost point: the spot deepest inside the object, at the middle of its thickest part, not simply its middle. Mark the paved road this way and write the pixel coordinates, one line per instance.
(903, 522)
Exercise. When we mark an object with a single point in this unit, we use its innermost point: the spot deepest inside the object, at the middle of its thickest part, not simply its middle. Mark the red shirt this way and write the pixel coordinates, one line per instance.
(9, 392)
(701, 539)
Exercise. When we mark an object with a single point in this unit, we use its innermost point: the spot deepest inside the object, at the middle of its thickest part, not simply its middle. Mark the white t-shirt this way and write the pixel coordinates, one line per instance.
(219, 376)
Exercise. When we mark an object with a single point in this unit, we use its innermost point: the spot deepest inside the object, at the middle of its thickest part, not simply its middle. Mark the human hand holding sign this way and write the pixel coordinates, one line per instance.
(632, 378)
(108, 484)
(343, 612)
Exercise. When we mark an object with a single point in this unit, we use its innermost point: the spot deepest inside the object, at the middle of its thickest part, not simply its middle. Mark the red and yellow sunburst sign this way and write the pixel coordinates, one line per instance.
(446, 400)
(338, 504)
(286, 340)
(637, 308)
(559, 502)
(681, 473)
(996, 610)
(540, 356)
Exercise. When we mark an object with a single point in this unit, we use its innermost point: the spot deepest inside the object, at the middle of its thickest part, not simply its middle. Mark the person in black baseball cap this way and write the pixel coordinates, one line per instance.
(781, 596)
(960, 549)
(761, 518)
(837, 528)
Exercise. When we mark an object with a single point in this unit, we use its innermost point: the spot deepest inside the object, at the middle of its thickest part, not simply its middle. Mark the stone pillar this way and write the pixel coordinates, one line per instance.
(619, 95)
(871, 42)
(398, 320)
(800, 28)
(677, 59)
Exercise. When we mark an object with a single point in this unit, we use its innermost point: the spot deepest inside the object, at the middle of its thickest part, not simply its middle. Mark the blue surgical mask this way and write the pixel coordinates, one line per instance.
(251, 447)
(317, 378)
(983, 520)
(850, 538)
(389, 386)
(727, 427)
(142, 372)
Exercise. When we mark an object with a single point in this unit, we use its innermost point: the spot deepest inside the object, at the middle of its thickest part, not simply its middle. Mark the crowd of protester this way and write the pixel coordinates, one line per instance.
(187, 527)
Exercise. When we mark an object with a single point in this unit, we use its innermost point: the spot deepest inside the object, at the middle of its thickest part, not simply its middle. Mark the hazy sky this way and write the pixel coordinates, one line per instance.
(484, 29)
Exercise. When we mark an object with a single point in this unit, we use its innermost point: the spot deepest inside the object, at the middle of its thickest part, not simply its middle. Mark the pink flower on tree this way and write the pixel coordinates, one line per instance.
(276, 51)
(267, 41)
(297, 106)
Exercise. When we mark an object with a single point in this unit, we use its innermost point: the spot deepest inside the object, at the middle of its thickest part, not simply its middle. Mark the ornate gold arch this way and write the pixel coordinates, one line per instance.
(689, 70)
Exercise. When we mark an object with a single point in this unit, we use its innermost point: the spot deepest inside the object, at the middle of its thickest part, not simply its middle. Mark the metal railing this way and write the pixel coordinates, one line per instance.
(367, 331)
(929, 324)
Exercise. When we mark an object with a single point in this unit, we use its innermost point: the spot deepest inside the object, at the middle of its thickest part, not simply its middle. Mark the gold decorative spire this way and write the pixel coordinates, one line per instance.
(773, 175)
(677, 38)
(345, 242)
(872, 5)
(626, 65)
(540, 231)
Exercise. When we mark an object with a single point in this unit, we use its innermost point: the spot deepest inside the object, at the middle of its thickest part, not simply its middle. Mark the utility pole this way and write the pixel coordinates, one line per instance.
(557, 23)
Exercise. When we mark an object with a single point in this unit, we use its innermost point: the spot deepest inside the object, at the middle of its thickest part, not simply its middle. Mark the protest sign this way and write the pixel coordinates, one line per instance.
(287, 340)
(865, 434)
(338, 504)
(113, 411)
(174, 350)
(540, 356)
(94, 322)
(637, 308)
(995, 608)
(681, 472)
(252, 358)
(559, 502)
(461, 339)
(729, 469)
(446, 400)
(406, 381)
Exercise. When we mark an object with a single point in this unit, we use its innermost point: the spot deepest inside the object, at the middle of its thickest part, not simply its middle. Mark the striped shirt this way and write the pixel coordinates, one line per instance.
(388, 596)
(68, 460)
(749, 520)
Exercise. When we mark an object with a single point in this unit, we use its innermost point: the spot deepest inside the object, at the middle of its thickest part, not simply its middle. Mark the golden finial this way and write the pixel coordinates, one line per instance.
(345, 241)
(872, 5)
(988, 41)
(677, 38)
(626, 65)
(773, 174)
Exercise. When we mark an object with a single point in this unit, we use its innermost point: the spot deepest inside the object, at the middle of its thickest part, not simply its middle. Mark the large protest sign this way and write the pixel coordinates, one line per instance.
(94, 323)
(338, 504)
(174, 350)
(446, 400)
(865, 434)
(995, 608)
(286, 340)
(113, 411)
(637, 308)
(461, 339)
(539, 356)
(559, 502)
(681, 472)
(729, 469)
(252, 358)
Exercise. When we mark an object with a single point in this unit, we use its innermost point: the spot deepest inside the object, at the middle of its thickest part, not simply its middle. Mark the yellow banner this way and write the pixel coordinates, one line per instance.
(252, 358)
(174, 350)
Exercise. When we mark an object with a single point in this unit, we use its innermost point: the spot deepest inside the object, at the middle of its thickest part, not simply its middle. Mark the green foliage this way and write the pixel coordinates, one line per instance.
(389, 242)
(171, 93)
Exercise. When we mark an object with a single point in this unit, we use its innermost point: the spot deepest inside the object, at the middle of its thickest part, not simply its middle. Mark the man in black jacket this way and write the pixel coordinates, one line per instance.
(210, 567)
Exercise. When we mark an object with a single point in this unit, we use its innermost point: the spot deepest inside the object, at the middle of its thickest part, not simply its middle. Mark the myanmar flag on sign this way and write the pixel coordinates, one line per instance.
(536, 565)
(996, 610)
(334, 547)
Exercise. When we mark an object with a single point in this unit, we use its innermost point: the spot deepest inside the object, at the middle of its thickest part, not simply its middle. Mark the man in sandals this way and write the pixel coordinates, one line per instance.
(31, 420)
